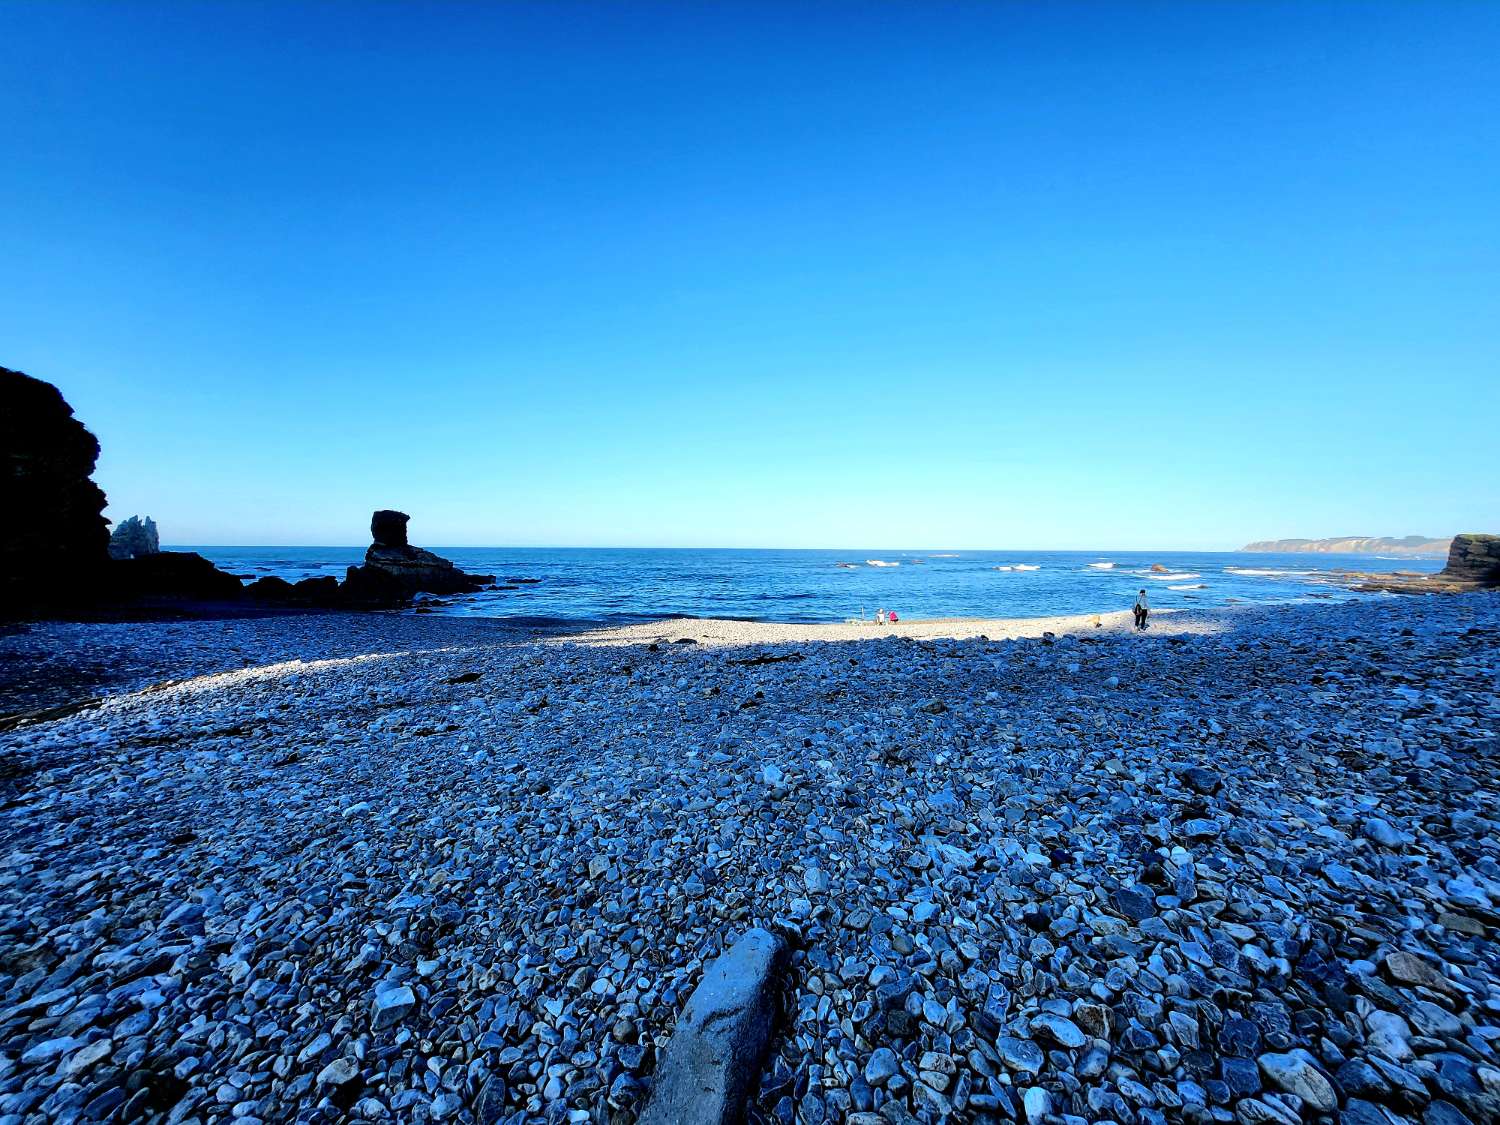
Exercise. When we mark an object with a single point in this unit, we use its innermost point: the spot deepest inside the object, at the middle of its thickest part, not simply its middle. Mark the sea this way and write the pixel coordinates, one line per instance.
(540, 585)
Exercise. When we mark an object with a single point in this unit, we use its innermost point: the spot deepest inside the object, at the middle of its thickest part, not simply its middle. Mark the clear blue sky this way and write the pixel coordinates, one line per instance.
(990, 275)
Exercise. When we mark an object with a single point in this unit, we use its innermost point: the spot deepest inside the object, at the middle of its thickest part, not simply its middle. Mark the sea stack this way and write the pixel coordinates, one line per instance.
(394, 570)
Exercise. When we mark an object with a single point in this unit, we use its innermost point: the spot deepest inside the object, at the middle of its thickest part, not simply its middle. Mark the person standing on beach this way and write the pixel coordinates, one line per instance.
(1142, 610)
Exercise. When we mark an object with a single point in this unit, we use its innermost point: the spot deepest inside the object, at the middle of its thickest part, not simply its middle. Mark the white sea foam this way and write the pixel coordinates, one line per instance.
(1102, 566)
(1199, 586)
(1172, 577)
(1026, 566)
(880, 562)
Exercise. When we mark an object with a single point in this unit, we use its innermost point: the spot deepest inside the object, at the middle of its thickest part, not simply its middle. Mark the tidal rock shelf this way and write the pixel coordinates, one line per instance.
(428, 872)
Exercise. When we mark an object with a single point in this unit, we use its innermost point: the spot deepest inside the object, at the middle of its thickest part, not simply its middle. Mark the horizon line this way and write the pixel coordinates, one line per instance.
(697, 547)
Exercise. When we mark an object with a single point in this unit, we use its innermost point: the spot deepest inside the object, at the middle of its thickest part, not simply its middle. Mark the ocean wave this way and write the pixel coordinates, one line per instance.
(1199, 586)
(1169, 576)
(1254, 572)
(1102, 566)
(880, 562)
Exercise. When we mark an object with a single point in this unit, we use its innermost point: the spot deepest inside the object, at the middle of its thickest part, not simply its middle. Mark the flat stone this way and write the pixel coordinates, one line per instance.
(708, 1066)
(340, 1072)
(49, 1049)
(391, 1006)
(883, 1064)
(1037, 1104)
(1059, 1029)
(1021, 1055)
(1136, 903)
(1406, 968)
(1296, 1075)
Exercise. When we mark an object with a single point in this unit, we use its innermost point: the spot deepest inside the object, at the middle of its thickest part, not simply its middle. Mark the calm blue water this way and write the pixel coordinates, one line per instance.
(627, 584)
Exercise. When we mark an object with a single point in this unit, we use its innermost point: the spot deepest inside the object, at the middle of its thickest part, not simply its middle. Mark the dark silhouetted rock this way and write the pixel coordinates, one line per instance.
(174, 575)
(394, 570)
(134, 538)
(317, 591)
(270, 589)
(388, 528)
(56, 540)
(715, 1052)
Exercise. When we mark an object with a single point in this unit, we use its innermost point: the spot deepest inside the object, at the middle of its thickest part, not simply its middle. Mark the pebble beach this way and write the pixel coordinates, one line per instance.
(1243, 867)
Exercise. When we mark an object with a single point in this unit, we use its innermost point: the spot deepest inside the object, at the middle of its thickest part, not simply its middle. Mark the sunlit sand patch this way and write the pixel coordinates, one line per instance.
(715, 632)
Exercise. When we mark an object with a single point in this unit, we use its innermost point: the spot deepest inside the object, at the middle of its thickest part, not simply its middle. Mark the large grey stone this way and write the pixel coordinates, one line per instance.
(1295, 1073)
(391, 1005)
(714, 1055)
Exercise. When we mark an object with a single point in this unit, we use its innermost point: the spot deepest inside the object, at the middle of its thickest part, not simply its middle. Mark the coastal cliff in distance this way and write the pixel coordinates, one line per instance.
(1415, 546)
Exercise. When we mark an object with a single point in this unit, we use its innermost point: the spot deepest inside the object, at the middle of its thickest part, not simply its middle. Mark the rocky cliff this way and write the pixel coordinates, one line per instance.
(57, 555)
(56, 539)
(1474, 558)
(1413, 546)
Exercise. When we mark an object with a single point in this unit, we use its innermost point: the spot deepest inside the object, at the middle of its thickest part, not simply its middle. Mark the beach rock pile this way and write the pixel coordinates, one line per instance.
(56, 538)
(1248, 877)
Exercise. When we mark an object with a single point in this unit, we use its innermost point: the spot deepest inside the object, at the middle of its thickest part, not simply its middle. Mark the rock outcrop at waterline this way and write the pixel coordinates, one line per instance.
(174, 576)
(1473, 564)
(56, 538)
(394, 570)
(1474, 558)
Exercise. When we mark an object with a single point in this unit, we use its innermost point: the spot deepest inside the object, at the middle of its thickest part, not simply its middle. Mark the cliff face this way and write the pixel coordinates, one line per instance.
(56, 539)
(1413, 546)
(1474, 558)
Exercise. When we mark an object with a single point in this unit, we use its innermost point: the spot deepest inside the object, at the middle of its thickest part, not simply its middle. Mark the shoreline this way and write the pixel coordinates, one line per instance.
(721, 632)
(46, 664)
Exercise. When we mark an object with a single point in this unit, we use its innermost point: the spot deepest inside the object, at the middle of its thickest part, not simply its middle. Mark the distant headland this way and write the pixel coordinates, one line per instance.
(1415, 546)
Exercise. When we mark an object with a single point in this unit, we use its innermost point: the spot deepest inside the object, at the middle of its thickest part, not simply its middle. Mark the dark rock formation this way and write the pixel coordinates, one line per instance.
(172, 575)
(134, 538)
(56, 539)
(318, 591)
(714, 1056)
(58, 556)
(394, 570)
(270, 589)
(1474, 558)
(388, 528)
